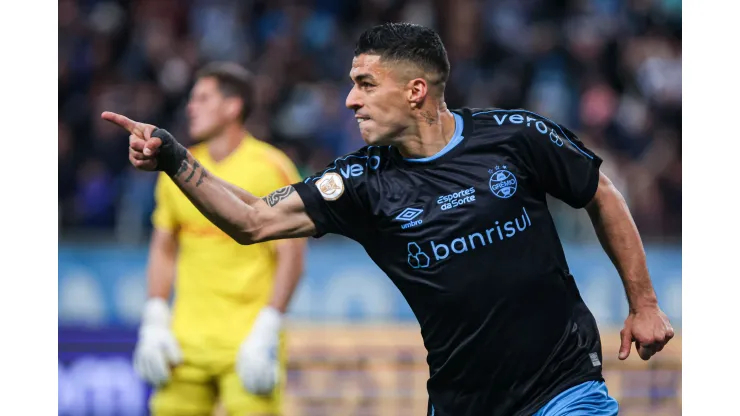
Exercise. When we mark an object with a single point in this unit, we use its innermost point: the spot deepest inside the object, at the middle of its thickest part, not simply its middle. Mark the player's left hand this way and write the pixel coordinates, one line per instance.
(649, 328)
(257, 364)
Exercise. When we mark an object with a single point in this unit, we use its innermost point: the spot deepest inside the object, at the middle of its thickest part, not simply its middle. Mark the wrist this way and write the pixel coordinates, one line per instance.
(156, 312)
(272, 314)
(171, 153)
(649, 304)
(269, 319)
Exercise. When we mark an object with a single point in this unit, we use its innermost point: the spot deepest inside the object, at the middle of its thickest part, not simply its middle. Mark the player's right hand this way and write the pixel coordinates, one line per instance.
(157, 350)
(143, 148)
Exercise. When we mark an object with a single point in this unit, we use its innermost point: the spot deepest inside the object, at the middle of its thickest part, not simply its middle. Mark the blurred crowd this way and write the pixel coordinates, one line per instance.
(610, 70)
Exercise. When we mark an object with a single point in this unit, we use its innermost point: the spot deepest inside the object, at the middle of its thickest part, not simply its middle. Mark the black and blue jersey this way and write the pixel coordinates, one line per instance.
(467, 237)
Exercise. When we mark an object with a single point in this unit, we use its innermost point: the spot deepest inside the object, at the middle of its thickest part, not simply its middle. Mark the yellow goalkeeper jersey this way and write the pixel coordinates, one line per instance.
(220, 286)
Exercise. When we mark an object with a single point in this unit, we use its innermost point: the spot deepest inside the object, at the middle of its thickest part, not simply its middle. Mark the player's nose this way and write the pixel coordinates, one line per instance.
(353, 100)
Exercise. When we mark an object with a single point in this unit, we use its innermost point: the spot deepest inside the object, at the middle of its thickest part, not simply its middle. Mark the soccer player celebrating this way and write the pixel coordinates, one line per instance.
(451, 204)
(223, 341)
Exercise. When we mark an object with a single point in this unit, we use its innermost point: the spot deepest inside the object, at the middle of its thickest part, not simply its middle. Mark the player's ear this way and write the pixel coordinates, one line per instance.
(417, 91)
(233, 107)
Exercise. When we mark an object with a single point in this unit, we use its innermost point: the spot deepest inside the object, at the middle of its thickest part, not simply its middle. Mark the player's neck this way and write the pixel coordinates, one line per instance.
(434, 130)
(225, 143)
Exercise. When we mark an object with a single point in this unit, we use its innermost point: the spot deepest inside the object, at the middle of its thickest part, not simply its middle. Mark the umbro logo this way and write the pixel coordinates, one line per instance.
(408, 215)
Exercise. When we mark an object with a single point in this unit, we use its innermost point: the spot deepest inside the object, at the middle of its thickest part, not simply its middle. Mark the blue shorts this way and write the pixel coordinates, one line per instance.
(587, 399)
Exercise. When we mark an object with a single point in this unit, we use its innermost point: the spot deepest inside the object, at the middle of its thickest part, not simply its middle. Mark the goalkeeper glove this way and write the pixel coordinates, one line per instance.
(157, 348)
(257, 362)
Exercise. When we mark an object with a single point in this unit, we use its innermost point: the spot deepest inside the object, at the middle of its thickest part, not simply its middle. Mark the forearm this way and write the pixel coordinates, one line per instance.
(240, 193)
(215, 201)
(160, 278)
(162, 264)
(288, 272)
(621, 241)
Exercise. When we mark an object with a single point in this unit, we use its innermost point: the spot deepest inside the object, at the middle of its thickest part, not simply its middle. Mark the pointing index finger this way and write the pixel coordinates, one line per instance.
(121, 120)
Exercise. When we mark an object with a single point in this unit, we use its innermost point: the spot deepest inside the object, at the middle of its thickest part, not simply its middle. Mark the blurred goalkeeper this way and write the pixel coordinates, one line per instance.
(451, 205)
(222, 341)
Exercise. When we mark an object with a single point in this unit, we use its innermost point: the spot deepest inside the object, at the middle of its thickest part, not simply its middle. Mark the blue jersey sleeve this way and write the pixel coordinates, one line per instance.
(335, 198)
(562, 164)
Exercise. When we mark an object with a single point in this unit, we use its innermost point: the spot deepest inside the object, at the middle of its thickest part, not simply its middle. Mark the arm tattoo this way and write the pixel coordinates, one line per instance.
(277, 196)
(195, 167)
(203, 174)
(185, 165)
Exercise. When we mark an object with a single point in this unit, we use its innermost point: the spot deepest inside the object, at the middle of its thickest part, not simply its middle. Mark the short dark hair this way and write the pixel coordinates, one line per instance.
(407, 42)
(233, 81)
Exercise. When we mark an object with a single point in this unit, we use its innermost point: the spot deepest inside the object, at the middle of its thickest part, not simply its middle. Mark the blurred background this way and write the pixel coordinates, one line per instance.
(610, 70)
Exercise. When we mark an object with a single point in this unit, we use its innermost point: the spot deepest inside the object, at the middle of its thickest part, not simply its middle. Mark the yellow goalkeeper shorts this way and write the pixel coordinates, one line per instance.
(195, 388)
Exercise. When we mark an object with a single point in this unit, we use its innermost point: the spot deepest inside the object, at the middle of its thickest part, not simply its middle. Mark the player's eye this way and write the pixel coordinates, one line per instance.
(363, 85)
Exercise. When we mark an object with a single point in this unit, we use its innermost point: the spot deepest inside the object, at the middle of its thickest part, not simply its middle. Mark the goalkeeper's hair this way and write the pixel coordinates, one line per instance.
(407, 42)
(233, 81)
